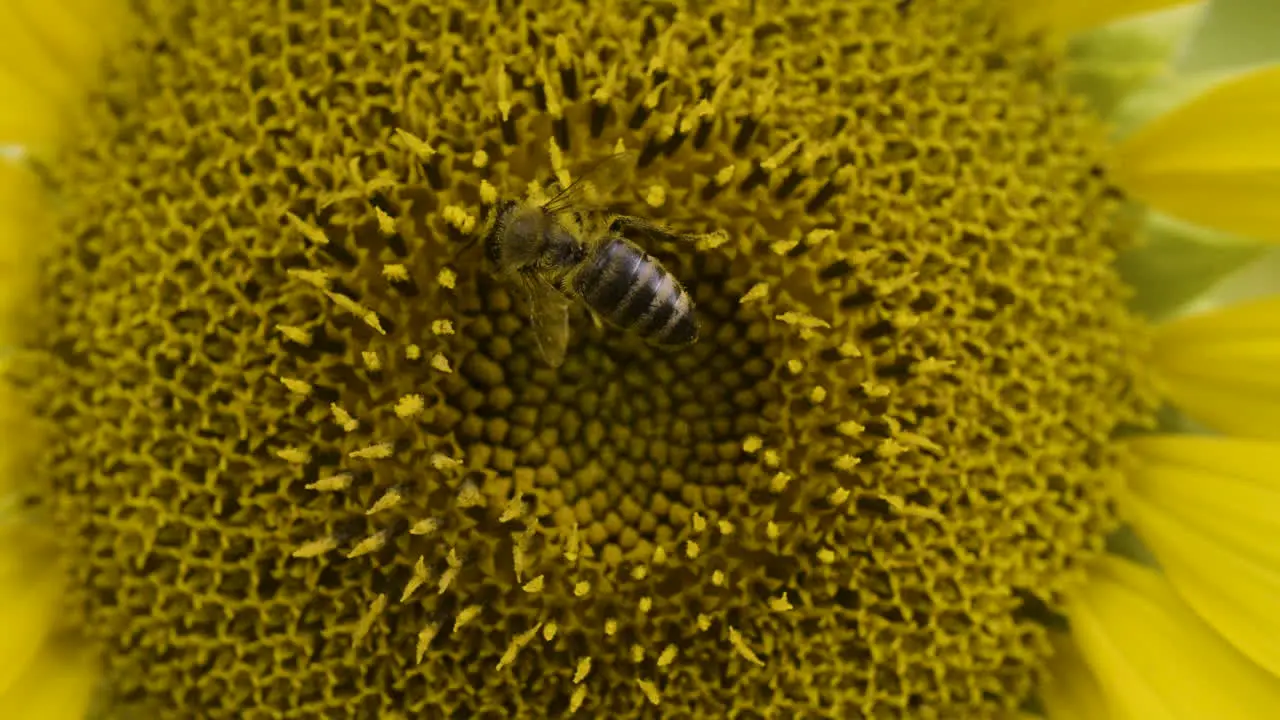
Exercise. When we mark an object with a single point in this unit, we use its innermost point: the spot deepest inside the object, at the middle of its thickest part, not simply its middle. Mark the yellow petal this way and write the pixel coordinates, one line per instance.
(28, 600)
(22, 218)
(59, 685)
(1223, 367)
(49, 53)
(1071, 692)
(26, 115)
(1063, 18)
(1214, 160)
(1209, 508)
(1155, 659)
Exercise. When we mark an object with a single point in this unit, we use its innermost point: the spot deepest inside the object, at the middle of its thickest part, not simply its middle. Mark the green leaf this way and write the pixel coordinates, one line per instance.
(1233, 34)
(1107, 64)
(1178, 262)
(1125, 543)
(1257, 279)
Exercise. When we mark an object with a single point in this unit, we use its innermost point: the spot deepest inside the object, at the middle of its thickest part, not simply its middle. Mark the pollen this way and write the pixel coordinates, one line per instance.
(298, 387)
(410, 406)
(578, 698)
(315, 548)
(446, 580)
(284, 386)
(390, 499)
(846, 463)
(740, 645)
(425, 526)
(378, 451)
(441, 363)
(759, 291)
(296, 456)
(315, 278)
(470, 496)
(465, 616)
(373, 543)
(580, 674)
(443, 462)
(343, 418)
(332, 483)
(656, 196)
(425, 636)
(294, 334)
(659, 555)
(420, 576)
(366, 621)
(650, 690)
(307, 230)
(770, 458)
(395, 272)
(414, 144)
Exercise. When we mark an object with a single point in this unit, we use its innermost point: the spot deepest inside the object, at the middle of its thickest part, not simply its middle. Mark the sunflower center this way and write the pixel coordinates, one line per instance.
(309, 459)
(622, 435)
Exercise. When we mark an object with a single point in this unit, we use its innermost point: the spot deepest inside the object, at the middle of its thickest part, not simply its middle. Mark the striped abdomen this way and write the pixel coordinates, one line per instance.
(633, 291)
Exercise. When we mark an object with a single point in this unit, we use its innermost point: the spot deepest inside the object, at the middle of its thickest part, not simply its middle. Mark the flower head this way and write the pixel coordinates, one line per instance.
(306, 457)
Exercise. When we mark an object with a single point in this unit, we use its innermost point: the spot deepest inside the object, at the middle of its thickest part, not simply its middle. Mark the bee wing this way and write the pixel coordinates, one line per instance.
(549, 313)
(605, 173)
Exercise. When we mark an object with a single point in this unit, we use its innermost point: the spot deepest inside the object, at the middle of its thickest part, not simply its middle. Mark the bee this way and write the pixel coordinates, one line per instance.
(563, 251)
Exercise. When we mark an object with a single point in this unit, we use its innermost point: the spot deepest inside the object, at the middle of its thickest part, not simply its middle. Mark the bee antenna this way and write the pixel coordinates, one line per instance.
(483, 231)
(471, 242)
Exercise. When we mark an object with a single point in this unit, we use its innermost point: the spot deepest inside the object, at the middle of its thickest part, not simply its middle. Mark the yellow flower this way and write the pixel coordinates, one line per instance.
(299, 454)
(47, 52)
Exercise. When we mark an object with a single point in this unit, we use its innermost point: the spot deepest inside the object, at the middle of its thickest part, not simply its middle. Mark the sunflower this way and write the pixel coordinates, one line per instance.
(281, 444)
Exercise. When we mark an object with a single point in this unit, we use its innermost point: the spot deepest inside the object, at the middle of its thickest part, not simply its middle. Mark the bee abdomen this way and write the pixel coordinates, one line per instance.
(632, 290)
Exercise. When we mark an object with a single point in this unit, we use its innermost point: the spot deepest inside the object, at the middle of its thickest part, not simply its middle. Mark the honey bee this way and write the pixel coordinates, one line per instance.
(563, 250)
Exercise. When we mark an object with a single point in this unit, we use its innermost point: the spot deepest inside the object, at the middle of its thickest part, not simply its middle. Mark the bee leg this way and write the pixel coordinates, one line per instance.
(629, 224)
(631, 227)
